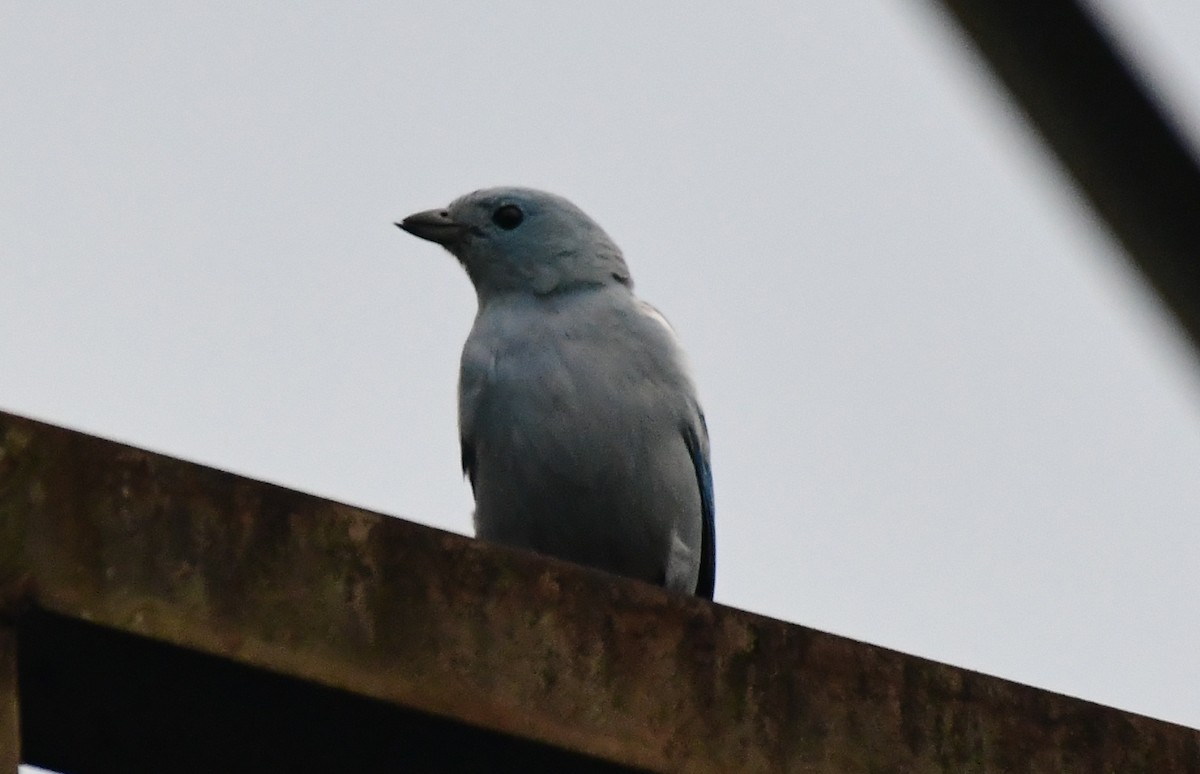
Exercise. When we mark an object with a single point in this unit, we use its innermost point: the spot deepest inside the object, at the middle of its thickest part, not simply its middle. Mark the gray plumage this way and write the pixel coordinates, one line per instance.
(581, 432)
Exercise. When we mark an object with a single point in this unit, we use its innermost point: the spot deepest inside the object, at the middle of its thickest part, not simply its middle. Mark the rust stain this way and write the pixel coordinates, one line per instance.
(10, 720)
(509, 641)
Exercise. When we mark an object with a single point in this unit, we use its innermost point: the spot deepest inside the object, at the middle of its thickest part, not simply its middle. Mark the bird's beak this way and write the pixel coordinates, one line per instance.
(434, 225)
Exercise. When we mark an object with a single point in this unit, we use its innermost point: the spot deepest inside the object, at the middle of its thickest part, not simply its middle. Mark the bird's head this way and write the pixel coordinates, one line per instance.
(522, 240)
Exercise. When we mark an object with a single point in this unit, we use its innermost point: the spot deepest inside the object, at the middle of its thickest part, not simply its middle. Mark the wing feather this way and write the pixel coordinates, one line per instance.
(706, 583)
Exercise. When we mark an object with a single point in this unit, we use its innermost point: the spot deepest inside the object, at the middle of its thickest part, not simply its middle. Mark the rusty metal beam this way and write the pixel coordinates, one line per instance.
(1099, 119)
(99, 700)
(310, 603)
(10, 729)
(14, 591)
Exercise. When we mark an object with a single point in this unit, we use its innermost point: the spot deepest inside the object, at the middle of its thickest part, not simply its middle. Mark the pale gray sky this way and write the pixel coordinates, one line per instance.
(946, 417)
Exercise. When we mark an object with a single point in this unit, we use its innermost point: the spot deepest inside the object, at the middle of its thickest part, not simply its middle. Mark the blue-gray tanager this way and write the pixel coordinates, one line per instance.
(581, 432)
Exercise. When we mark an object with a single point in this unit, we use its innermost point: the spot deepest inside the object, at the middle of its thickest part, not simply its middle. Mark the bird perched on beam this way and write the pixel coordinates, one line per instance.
(581, 432)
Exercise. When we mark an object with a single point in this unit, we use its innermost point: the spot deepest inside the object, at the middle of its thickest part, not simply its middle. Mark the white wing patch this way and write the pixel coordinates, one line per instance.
(681, 565)
(655, 315)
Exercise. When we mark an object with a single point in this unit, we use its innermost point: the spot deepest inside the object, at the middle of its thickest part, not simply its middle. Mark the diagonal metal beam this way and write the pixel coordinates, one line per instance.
(98, 700)
(10, 729)
(175, 613)
(1099, 119)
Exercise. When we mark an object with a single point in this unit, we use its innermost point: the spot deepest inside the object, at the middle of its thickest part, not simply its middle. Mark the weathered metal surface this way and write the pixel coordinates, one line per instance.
(99, 700)
(14, 592)
(512, 642)
(1103, 125)
(10, 729)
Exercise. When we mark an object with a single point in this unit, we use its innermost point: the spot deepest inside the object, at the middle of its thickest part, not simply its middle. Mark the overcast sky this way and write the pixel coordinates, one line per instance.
(946, 416)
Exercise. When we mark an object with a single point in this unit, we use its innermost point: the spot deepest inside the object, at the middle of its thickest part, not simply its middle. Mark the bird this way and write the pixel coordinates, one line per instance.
(581, 432)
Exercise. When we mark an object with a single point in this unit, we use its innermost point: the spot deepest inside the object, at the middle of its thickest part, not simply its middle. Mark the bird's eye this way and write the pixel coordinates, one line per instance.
(508, 216)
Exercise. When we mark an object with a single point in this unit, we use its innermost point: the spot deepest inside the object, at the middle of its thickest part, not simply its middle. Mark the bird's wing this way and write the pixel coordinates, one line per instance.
(475, 368)
(697, 445)
(468, 460)
(648, 310)
(698, 449)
